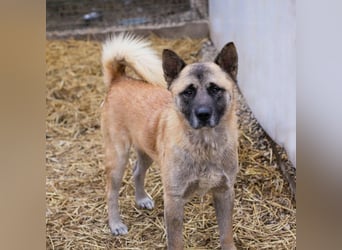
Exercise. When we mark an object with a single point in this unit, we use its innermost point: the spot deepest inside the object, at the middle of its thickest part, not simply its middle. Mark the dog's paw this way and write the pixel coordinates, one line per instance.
(118, 228)
(145, 202)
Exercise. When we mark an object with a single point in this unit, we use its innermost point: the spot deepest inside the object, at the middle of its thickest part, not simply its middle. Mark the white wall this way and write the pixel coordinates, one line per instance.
(264, 34)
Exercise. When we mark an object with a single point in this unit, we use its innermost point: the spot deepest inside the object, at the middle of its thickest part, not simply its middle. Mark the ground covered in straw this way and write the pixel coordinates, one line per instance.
(76, 212)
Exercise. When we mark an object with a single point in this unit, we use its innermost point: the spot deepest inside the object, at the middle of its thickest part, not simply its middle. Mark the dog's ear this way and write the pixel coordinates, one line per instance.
(227, 59)
(172, 65)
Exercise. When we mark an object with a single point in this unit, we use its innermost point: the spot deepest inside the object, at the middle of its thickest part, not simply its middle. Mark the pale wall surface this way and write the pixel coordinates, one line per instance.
(264, 34)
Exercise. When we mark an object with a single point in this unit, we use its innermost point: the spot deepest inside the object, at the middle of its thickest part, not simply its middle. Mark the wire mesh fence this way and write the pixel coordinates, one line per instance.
(84, 14)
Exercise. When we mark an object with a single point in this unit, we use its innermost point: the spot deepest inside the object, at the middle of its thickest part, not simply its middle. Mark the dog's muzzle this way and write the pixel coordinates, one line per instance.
(202, 117)
(203, 114)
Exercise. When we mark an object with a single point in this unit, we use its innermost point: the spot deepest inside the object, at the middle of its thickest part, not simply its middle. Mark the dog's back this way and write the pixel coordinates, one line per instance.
(131, 111)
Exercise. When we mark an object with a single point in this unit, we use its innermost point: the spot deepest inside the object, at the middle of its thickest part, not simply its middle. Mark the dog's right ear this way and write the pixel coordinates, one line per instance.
(172, 65)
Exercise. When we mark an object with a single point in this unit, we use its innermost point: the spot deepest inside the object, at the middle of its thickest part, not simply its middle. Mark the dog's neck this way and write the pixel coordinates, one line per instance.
(209, 138)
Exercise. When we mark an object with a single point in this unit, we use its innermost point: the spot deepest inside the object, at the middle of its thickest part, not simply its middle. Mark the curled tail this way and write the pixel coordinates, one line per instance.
(128, 50)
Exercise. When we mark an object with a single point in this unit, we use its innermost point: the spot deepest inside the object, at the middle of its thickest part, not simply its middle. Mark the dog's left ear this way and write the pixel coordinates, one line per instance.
(172, 65)
(227, 59)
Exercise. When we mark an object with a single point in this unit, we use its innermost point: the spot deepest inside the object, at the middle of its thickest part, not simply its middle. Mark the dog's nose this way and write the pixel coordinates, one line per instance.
(203, 113)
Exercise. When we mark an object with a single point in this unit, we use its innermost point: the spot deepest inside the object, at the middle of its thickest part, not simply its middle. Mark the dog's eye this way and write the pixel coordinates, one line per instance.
(189, 92)
(214, 89)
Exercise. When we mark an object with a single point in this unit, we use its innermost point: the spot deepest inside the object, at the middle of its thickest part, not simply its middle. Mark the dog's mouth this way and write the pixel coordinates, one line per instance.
(200, 120)
(201, 125)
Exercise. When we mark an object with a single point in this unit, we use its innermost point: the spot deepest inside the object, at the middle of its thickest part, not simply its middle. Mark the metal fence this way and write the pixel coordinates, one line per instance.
(84, 14)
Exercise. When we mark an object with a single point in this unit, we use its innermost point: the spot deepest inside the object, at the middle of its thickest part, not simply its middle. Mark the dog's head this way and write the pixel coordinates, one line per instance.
(203, 92)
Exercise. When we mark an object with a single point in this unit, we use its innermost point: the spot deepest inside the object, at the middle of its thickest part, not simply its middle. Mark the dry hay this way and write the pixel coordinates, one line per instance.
(76, 213)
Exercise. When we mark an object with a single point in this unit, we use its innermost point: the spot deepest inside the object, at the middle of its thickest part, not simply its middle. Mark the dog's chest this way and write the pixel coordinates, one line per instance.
(198, 174)
(199, 163)
(199, 183)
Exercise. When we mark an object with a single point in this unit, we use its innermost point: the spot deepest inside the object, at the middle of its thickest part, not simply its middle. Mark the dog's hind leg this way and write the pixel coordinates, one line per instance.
(142, 199)
(116, 158)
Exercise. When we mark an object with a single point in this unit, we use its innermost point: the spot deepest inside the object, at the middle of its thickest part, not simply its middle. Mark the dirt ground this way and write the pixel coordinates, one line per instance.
(76, 212)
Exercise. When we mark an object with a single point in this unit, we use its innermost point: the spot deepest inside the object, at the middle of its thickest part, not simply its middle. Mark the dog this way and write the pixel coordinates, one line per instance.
(180, 116)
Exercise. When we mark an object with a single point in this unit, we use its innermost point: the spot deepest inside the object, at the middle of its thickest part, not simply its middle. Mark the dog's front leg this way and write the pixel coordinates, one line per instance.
(174, 210)
(224, 203)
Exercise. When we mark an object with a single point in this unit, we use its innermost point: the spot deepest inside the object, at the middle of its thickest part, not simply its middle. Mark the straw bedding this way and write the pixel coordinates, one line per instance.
(76, 212)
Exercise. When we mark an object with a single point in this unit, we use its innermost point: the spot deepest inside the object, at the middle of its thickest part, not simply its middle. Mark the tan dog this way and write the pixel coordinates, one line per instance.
(188, 128)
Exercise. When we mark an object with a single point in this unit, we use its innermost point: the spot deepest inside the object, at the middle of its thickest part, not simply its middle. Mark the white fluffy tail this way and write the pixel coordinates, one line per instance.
(129, 50)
